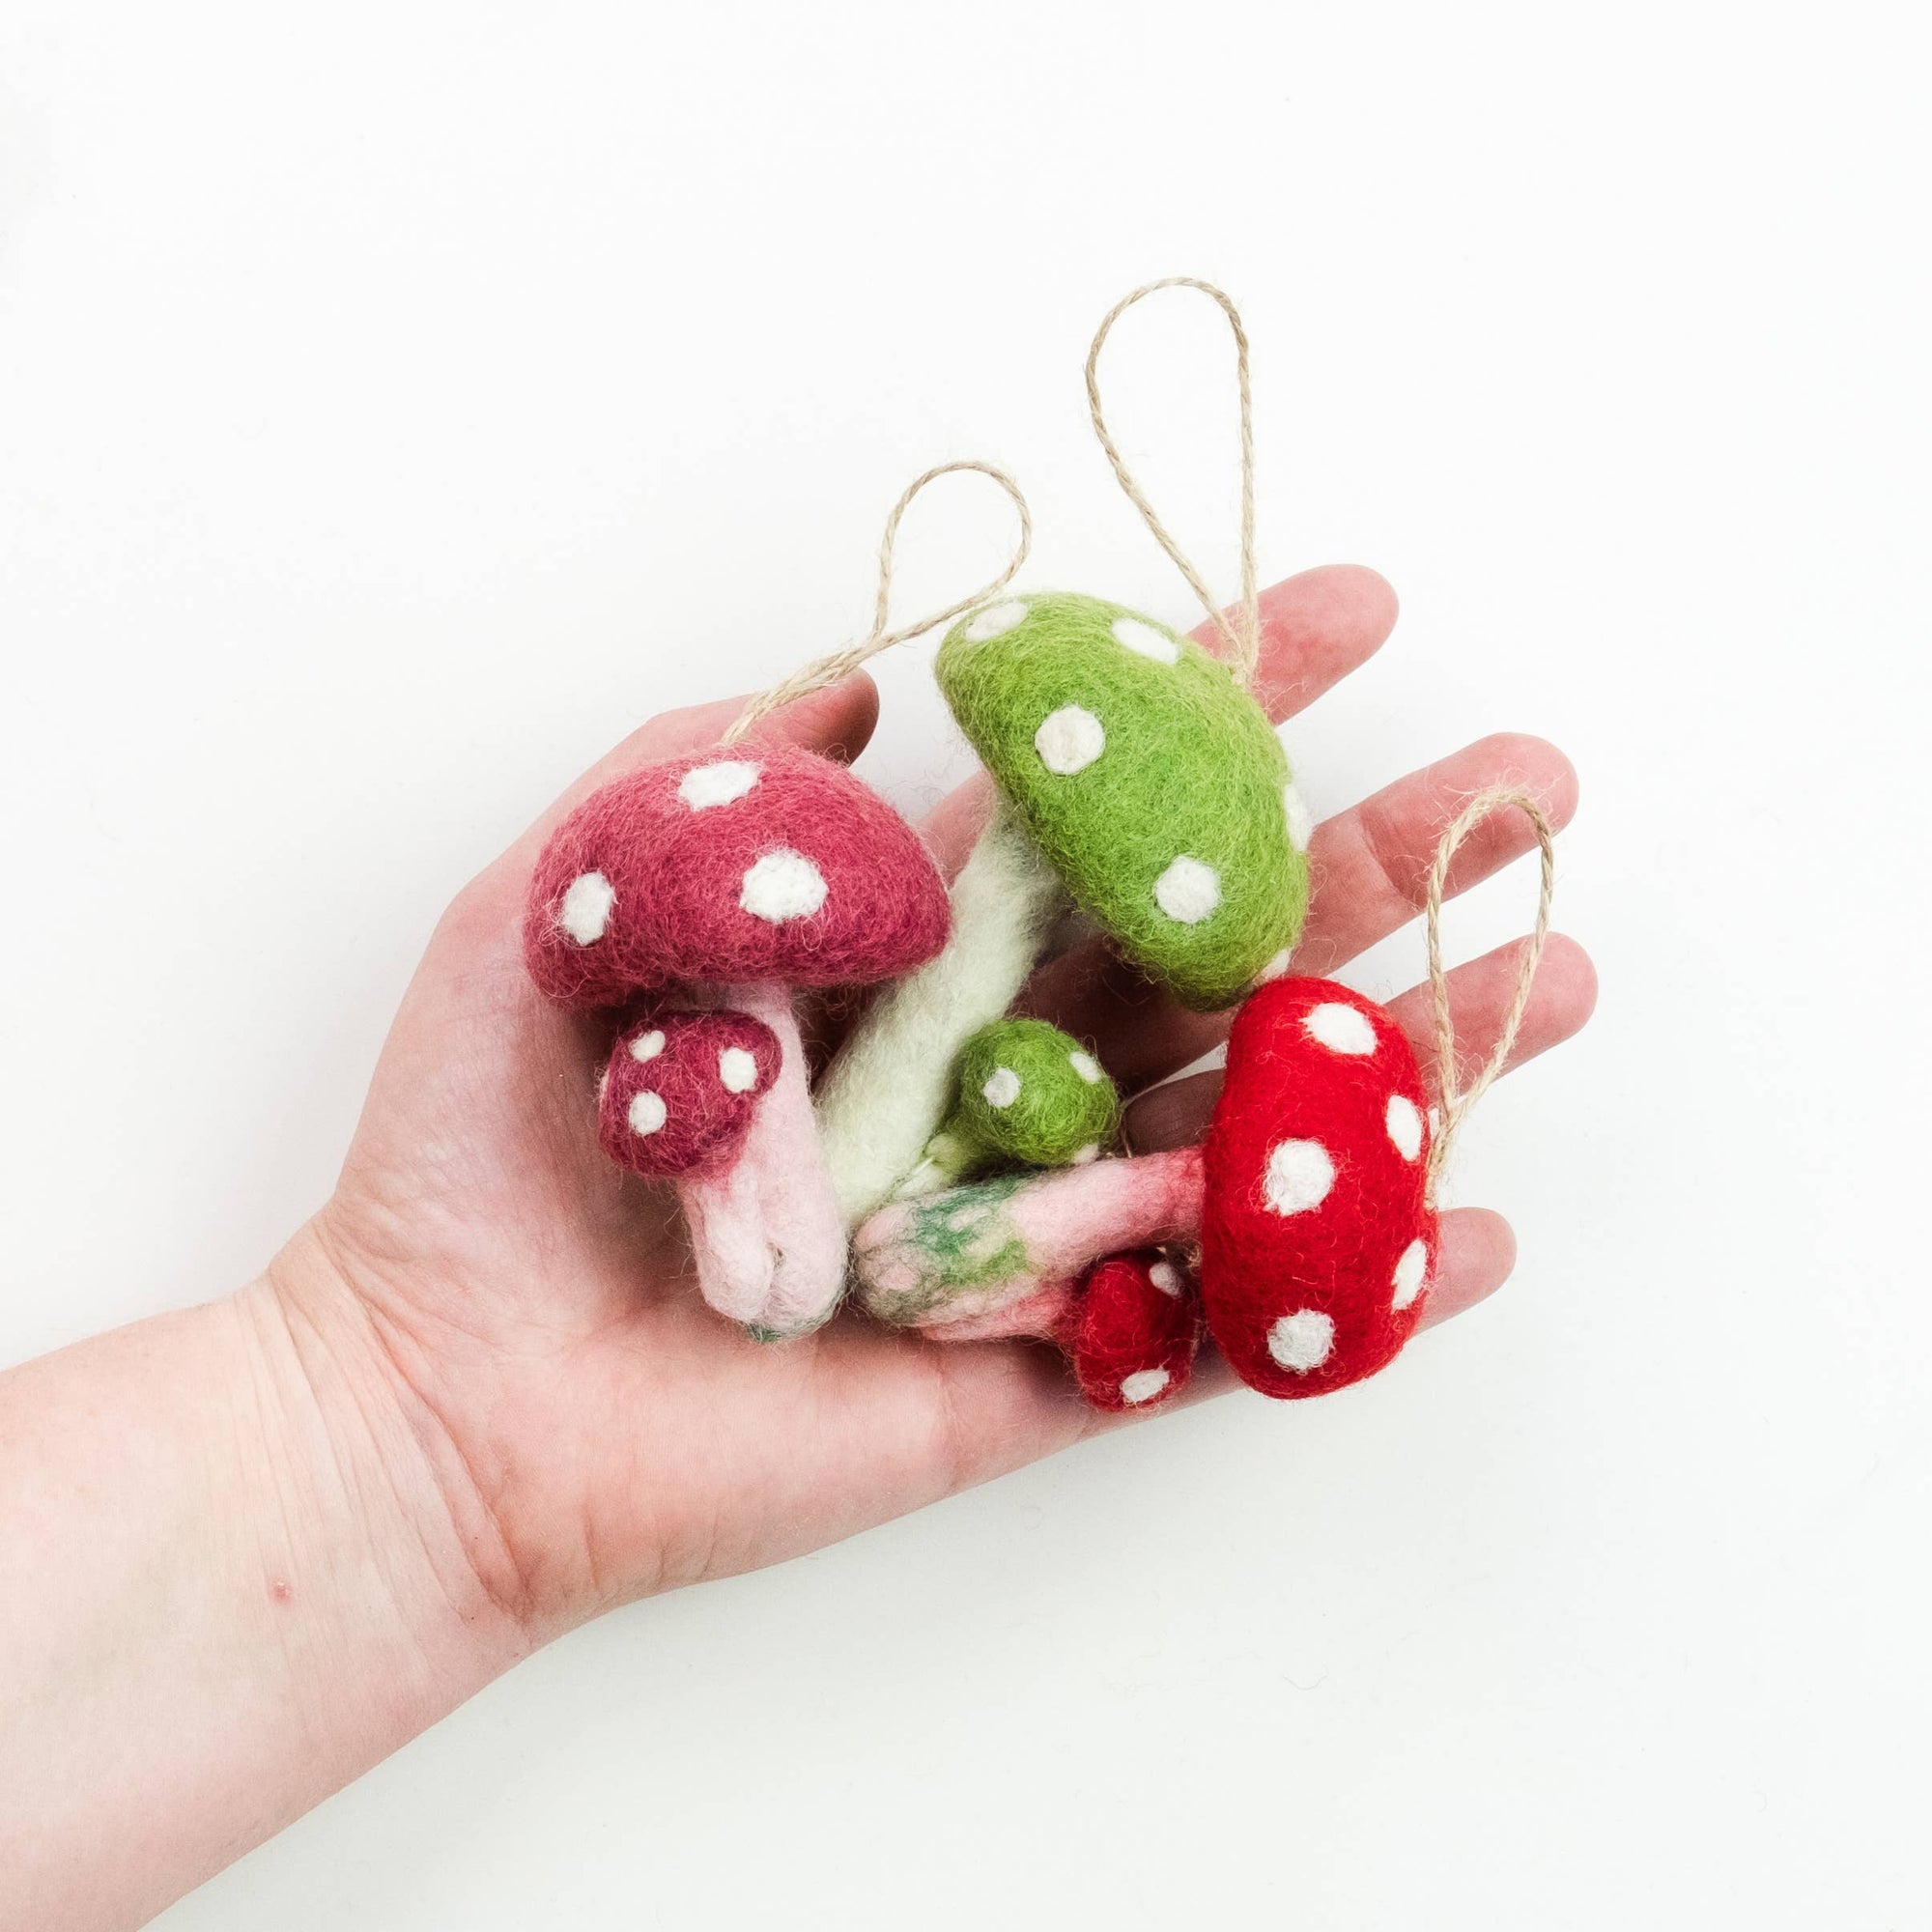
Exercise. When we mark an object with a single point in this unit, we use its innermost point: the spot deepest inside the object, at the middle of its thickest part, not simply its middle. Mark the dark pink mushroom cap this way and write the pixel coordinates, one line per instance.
(731, 866)
(679, 1092)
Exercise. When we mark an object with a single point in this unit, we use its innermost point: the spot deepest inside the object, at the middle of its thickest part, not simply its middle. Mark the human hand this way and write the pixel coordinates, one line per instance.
(526, 1310)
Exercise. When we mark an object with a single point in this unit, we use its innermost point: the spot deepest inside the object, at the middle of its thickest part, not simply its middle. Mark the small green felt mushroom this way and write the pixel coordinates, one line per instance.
(1028, 1095)
(1136, 777)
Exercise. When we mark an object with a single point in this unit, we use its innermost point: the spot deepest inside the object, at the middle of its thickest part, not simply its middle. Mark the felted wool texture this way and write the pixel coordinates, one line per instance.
(680, 1088)
(1132, 1331)
(1316, 1242)
(1040, 1317)
(1031, 1093)
(767, 863)
(765, 1235)
(1153, 782)
(891, 1082)
(974, 1250)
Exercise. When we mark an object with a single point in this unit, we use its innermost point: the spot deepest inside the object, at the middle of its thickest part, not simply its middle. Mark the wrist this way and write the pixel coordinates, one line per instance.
(371, 1545)
(242, 1586)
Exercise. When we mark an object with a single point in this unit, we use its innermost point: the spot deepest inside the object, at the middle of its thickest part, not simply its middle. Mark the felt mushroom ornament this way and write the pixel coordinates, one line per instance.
(1317, 1236)
(1312, 1199)
(678, 1094)
(697, 893)
(1028, 1095)
(708, 887)
(1137, 780)
(1130, 1331)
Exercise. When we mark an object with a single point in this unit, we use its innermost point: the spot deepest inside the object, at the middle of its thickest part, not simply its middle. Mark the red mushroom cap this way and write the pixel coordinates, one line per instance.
(1133, 1332)
(731, 866)
(1316, 1243)
(680, 1089)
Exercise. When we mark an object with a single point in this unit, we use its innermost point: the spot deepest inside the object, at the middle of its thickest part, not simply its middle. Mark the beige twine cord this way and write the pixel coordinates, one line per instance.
(1244, 649)
(826, 671)
(1456, 1105)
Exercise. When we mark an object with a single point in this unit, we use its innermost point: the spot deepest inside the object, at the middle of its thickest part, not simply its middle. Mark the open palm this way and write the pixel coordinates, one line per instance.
(599, 1431)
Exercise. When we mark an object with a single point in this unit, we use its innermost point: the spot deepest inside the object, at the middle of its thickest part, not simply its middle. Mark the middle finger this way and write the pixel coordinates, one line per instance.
(1368, 868)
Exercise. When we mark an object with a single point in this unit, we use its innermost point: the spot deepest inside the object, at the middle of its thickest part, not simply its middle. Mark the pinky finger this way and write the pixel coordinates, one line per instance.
(1177, 1111)
(1478, 1253)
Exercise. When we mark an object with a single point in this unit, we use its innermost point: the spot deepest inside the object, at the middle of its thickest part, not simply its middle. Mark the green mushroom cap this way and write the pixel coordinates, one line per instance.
(1150, 781)
(1030, 1092)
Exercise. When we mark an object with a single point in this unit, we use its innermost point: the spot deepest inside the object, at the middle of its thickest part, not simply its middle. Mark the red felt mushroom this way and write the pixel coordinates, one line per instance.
(1132, 1331)
(737, 876)
(1317, 1240)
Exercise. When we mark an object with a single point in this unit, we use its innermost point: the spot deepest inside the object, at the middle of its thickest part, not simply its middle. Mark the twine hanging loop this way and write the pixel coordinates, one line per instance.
(823, 672)
(1244, 647)
(1456, 1103)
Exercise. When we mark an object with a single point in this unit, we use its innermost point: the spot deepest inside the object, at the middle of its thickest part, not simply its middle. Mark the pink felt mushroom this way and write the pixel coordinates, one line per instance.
(681, 1089)
(996, 1257)
(1309, 1198)
(732, 877)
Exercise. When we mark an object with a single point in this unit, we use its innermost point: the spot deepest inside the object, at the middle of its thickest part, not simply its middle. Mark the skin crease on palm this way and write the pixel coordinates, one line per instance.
(526, 1310)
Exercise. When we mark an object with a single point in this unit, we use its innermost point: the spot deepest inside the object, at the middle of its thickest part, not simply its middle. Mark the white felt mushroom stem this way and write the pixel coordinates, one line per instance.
(766, 1234)
(886, 1094)
(995, 1247)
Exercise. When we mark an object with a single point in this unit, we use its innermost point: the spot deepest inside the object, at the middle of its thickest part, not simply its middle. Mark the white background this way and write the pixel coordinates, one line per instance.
(398, 402)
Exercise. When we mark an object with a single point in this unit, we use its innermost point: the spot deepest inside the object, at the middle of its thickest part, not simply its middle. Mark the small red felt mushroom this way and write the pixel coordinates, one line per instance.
(738, 875)
(681, 1088)
(1132, 1331)
(1317, 1241)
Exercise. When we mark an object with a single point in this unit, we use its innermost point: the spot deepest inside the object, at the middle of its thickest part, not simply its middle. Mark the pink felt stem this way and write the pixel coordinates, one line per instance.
(1035, 1317)
(973, 1252)
(766, 1233)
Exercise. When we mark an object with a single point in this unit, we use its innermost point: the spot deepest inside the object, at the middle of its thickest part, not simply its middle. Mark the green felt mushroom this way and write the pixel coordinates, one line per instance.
(1028, 1095)
(1137, 779)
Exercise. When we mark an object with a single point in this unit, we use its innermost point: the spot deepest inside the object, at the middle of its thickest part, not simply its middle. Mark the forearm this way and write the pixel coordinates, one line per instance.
(229, 1583)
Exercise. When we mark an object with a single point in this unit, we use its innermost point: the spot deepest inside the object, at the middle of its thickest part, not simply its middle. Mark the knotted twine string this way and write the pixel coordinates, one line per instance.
(826, 671)
(1244, 649)
(1456, 1104)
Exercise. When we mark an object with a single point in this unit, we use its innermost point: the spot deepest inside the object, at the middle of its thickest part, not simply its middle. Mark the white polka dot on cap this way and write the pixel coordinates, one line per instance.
(994, 621)
(1405, 1126)
(1070, 740)
(1340, 1028)
(721, 783)
(1001, 1087)
(1302, 1340)
(784, 885)
(1297, 1178)
(1188, 891)
(584, 911)
(1410, 1272)
(1145, 641)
